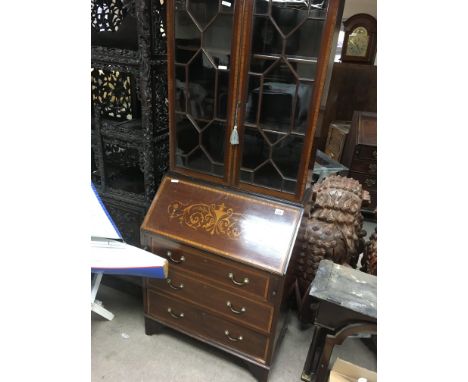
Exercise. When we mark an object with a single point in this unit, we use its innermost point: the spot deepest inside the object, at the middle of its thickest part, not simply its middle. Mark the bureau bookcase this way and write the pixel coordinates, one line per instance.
(244, 85)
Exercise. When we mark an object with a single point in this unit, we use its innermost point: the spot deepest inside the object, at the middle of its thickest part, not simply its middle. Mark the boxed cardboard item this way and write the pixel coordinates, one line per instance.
(343, 371)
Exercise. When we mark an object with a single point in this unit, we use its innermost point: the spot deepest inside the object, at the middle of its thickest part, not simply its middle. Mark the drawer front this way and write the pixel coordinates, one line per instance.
(369, 182)
(195, 321)
(230, 305)
(240, 278)
(365, 166)
(365, 152)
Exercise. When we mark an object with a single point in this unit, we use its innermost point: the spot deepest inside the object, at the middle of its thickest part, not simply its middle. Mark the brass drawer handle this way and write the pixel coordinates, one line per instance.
(369, 182)
(374, 153)
(181, 286)
(245, 281)
(228, 303)
(181, 260)
(240, 338)
(373, 168)
(181, 315)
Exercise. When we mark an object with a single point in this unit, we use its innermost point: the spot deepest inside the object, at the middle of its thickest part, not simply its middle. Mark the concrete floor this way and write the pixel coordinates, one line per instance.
(122, 352)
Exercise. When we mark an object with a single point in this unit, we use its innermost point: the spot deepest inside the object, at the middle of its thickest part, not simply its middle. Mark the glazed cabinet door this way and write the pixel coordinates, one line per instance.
(255, 66)
(285, 63)
(200, 35)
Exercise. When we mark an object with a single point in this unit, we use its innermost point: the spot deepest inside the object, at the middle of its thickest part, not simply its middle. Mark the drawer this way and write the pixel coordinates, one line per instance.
(365, 152)
(369, 182)
(242, 310)
(186, 317)
(368, 166)
(240, 278)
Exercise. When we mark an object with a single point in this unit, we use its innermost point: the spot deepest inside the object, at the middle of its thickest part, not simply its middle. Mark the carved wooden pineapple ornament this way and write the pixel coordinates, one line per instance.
(331, 228)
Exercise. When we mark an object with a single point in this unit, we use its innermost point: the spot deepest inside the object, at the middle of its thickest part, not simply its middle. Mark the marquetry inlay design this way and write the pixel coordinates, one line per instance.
(216, 219)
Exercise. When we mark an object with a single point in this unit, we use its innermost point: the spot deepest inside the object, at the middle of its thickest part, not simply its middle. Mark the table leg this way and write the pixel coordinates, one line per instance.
(96, 305)
(313, 356)
(323, 370)
(97, 277)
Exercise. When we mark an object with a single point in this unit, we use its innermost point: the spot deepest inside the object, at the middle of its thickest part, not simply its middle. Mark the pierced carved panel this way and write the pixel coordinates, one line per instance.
(159, 27)
(112, 90)
(161, 121)
(124, 167)
(107, 15)
(129, 96)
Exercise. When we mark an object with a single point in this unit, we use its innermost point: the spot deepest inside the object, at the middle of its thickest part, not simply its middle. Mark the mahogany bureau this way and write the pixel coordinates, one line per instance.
(245, 80)
(228, 257)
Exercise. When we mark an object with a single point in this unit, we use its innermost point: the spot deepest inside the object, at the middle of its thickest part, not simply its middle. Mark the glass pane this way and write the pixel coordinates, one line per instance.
(302, 107)
(261, 7)
(203, 11)
(256, 149)
(180, 91)
(305, 41)
(218, 169)
(288, 15)
(304, 69)
(278, 97)
(217, 40)
(267, 39)
(213, 140)
(273, 137)
(198, 160)
(246, 176)
(268, 176)
(357, 42)
(223, 92)
(187, 37)
(253, 99)
(187, 135)
(318, 8)
(261, 64)
(286, 154)
(285, 46)
(122, 166)
(203, 30)
(289, 186)
(201, 87)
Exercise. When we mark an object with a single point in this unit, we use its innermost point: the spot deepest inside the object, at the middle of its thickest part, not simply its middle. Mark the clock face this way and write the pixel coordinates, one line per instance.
(357, 42)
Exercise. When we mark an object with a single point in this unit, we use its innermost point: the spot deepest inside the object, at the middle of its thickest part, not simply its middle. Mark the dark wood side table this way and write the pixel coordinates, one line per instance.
(344, 301)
